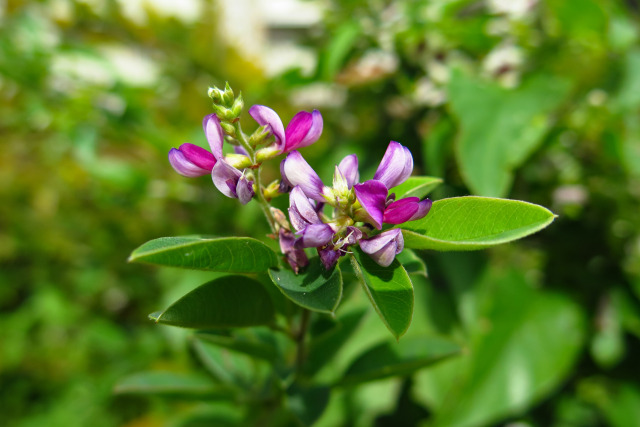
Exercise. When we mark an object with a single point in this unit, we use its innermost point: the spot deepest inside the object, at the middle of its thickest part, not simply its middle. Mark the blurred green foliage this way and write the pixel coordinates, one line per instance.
(540, 105)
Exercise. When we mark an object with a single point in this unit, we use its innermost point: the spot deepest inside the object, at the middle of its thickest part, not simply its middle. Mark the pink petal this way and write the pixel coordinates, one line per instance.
(214, 134)
(296, 171)
(304, 129)
(349, 168)
(401, 210)
(396, 165)
(265, 116)
(183, 166)
(198, 156)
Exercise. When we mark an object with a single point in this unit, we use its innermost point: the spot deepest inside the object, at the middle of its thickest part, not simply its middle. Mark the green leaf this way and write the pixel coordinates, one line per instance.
(316, 288)
(307, 404)
(500, 128)
(402, 358)
(229, 301)
(523, 344)
(228, 254)
(324, 348)
(235, 369)
(412, 262)
(471, 223)
(389, 289)
(416, 186)
(256, 347)
(171, 384)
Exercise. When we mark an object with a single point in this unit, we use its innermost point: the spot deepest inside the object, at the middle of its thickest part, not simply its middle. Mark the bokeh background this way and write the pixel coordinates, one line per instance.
(531, 100)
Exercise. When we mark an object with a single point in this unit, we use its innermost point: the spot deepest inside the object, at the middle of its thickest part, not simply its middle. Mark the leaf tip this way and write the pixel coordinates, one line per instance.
(155, 316)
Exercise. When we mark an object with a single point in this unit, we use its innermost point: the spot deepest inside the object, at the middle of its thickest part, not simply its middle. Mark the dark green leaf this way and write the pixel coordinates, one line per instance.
(412, 263)
(470, 223)
(171, 384)
(316, 288)
(323, 349)
(254, 346)
(398, 358)
(307, 404)
(228, 254)
(229, 301)
(416, 186)
(389, 289)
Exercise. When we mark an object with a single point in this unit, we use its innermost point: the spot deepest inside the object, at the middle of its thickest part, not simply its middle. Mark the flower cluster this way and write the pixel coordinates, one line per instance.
(358, 210)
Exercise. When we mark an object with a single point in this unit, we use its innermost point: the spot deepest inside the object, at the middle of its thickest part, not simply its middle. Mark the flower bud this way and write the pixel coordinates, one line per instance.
(267, 153)
(215, 94)
(227, 95)
(228, 128)
(238, 105)
(238, 161)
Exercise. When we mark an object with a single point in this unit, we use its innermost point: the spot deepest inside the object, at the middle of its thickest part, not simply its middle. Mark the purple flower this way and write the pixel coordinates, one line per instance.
(296, 172)
(384, 247)
(191, 161)
(304, 128)
(396, 165)
(296, 257)
(305, 220)
(378, 208)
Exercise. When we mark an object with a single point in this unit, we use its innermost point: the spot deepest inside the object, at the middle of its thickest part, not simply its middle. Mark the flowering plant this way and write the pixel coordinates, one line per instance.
(375, 224)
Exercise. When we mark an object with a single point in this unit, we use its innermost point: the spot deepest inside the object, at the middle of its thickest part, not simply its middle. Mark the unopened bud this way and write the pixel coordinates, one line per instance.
(215, 94)
(227, 96)
(238, 105)
(228, 128)
(238, 161)
(278, 215)
(267, 153)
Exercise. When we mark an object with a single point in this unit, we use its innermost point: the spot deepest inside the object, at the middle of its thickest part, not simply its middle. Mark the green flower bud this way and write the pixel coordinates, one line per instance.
(238, 105)
(228, 128)
(238, 161)
(267, 153)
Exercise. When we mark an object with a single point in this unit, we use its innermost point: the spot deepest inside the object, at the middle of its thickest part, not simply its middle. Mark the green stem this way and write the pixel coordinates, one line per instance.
(266, 207)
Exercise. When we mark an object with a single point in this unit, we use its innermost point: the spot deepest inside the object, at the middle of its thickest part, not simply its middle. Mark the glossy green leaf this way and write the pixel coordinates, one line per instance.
(229, 301)
(171, 384)
(389, 289)
(500, 128)
(412, 263)
(399, 358)
(227, 254)
(315, 289)
(470, 223)
(416, 186)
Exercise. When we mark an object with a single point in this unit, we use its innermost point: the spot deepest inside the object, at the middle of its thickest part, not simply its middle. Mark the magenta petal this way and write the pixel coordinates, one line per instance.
(384, 247)
(315, 235)
(401, 210)
(301, 211)
(296, 171)
(353, 235)
(396, 165)
(244, 190)
(198, 156)
(183, 166)
(372, 195)
(214, 134)
(423, 209)
(349, 168)
(304, 129)
(329, 257)
(221, 173)
(265, 116)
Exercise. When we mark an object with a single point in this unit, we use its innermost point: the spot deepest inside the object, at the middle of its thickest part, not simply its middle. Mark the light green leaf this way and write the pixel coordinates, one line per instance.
(171, 384)
(228, 254)
(471, 223)
(416, 186)
(500, 128)
(229, 301)
(316, 288)
(389, 289)
(398, 358)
